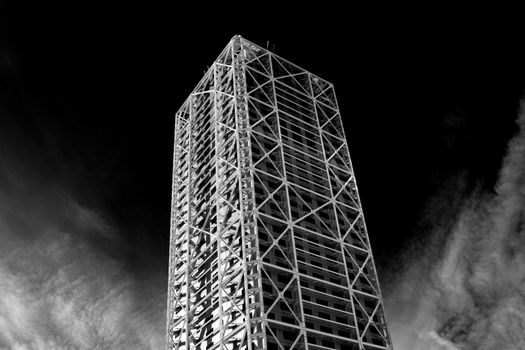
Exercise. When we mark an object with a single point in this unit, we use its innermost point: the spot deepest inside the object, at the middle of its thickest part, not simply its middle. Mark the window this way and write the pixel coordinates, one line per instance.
(328, 343)
(322, 302)
(323, 315)
(288, 319)
(326, 329)
(340, 319)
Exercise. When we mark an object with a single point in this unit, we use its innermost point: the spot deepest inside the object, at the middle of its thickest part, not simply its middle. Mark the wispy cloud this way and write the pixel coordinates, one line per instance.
(465, 286)
(58, 288)
(57, 292)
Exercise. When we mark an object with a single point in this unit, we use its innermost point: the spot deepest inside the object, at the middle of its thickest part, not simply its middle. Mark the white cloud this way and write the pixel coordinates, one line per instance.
(58, 292)
(64, 278)
(468, 290)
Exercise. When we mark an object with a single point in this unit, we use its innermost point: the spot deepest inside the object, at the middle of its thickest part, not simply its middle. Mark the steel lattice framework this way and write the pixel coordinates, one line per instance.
(268, 247)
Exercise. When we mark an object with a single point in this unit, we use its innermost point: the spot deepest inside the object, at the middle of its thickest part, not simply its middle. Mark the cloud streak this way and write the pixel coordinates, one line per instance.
(59, 293)
(464, 285)
(59, 289)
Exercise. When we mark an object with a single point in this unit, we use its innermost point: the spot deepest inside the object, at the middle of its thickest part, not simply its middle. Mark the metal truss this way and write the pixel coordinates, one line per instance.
(268, 247)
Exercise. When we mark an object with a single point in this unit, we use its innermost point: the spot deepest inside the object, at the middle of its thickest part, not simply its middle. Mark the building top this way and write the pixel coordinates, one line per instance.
(251, 51)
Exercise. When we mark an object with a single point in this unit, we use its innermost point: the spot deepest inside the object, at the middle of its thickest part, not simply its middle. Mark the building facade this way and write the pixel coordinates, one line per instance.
(268, 248)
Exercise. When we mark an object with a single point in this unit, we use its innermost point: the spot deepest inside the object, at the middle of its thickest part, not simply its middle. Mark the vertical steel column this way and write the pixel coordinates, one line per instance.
(255, 336)
(341, 241)
(380, 304)
(290, 226)
(218, 202)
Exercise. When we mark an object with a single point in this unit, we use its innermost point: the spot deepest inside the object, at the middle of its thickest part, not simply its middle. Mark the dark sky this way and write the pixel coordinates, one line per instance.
(420, 102)
(88, 95)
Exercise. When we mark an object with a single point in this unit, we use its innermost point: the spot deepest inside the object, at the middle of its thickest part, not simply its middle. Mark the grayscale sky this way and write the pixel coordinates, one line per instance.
(88, 94)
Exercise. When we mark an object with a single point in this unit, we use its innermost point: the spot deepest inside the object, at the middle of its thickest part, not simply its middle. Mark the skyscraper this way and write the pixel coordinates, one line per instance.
(268, 247)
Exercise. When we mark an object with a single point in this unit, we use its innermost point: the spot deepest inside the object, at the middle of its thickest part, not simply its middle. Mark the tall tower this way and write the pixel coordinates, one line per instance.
(268, 248)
